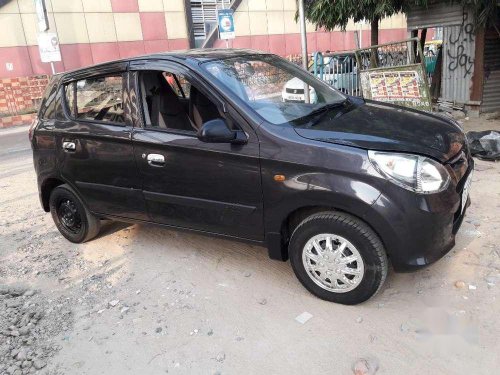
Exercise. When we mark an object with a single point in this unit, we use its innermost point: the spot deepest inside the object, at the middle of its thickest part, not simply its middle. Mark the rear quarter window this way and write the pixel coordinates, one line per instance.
(48, 104)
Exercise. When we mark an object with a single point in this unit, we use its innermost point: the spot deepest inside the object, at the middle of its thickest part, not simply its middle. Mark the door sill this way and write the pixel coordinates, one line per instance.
(183, 229)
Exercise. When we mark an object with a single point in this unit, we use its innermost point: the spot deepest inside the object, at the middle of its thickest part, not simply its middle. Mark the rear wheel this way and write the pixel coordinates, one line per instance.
(338, 258)
(73, 220)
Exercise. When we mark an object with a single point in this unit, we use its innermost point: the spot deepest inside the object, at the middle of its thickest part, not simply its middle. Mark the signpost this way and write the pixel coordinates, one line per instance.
(394, 72)
(303, 42)
(41, 15)
(225, 22)
(402, 85)
(48, 45)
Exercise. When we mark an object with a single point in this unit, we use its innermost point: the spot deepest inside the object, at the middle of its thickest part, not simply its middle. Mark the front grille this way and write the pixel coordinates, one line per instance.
(295, 91)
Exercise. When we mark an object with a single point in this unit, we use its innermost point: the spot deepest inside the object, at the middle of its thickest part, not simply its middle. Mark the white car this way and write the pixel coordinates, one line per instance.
(293, 91)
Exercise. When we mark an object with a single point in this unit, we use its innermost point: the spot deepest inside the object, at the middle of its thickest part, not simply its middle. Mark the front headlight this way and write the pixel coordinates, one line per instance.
(412, 172)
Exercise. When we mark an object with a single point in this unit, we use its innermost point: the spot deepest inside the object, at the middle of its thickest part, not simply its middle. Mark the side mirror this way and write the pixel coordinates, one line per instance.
(217, 131)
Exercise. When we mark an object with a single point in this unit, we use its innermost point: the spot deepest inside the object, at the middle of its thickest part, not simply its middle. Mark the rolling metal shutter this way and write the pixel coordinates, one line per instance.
(435, 15)
(459, 50)
(491, 89)
(458, 46)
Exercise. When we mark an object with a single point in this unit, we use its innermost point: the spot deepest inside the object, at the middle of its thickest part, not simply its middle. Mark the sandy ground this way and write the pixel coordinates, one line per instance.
(145, 300)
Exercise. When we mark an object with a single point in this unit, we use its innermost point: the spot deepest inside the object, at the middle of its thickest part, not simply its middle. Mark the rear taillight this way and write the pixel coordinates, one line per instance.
(32, 128)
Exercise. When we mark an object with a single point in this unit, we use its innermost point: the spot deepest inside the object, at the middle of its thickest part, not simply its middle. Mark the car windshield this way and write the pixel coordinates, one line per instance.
(274, 88)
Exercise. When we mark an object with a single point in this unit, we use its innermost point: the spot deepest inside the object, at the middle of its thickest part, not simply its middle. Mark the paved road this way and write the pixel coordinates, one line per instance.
(185, 303)
(14, 143)
(15, 152)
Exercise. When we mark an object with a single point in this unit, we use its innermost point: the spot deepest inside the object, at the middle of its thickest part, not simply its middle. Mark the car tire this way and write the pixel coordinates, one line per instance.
(73, 220)
(321, 245)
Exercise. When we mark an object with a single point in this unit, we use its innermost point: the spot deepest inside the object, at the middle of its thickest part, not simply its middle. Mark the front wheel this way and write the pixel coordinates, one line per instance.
(338, 257)
(73, 220)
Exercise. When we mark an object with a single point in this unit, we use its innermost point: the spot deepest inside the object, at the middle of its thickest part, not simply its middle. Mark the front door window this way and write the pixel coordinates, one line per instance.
(171, 102)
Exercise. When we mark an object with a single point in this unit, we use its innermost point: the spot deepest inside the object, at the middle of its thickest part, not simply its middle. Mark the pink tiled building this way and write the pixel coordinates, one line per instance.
(89, 31)
(95, 31)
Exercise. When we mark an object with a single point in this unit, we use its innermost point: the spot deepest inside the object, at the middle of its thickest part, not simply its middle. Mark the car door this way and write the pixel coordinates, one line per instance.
(214, 187)
(95, 148)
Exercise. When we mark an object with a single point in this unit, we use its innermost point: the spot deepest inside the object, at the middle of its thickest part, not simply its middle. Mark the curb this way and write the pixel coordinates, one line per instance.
(16, 120)
(14, 130)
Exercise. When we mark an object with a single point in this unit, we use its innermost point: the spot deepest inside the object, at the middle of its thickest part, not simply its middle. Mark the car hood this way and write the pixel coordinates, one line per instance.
(385, 127)
(295, 83)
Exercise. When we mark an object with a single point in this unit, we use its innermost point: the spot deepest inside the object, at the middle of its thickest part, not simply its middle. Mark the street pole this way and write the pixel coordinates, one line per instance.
(303, 40)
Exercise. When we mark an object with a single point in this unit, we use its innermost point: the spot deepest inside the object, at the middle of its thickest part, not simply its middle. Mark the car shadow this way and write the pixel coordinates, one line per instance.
(109, 227)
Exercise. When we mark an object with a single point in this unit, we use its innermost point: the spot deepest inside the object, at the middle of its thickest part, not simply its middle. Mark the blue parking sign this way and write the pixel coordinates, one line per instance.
(226, 24)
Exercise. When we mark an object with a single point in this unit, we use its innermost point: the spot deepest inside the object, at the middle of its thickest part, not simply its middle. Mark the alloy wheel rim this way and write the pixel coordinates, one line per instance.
(333, 263)
(69, 216)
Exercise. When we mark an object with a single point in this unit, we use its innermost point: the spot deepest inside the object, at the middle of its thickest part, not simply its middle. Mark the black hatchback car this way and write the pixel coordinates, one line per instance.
(203, 140)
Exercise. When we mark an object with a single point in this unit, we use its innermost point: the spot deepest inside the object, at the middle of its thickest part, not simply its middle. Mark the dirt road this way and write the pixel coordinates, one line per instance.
(146, 300)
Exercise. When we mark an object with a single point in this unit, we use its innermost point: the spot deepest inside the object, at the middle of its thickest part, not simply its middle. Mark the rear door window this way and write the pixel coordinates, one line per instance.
(96, 99)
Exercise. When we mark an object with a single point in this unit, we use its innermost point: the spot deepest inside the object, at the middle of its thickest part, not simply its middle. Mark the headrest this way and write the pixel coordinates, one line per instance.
(198, 98)
(169, 102)
(150, 82)
(161, 93)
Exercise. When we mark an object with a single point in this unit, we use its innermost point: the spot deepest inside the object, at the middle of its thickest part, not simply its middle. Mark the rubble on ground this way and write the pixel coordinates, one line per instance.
(29, 324)
(364, 366)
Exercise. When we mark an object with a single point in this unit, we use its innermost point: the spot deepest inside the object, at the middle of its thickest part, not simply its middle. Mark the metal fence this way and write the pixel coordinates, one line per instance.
(430, 65)
(338, 70)
(390, 55)
(341, 69)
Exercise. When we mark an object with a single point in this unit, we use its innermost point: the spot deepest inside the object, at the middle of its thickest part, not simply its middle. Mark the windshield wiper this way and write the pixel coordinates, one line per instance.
(324, 110)
(326, 107)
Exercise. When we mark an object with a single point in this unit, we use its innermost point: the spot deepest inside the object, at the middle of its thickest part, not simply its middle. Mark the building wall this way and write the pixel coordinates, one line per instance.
(89, 31)
(93, 31)
(270, 25)
(19, 97)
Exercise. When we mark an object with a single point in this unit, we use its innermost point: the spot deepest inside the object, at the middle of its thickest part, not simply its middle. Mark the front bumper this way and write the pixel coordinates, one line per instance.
(418, 230)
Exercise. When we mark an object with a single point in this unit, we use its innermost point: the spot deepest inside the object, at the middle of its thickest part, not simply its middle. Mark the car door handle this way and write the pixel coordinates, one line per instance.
(156, 160)
(69, 146)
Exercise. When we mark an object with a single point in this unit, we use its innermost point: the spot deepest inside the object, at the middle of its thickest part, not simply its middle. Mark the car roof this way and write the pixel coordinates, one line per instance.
(204, 54)
(197, 54)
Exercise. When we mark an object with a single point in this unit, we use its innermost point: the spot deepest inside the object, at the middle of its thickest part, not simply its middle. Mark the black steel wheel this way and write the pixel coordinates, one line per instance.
(73, 220)
(68, 215)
